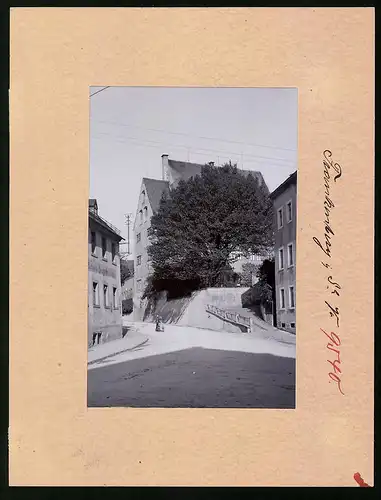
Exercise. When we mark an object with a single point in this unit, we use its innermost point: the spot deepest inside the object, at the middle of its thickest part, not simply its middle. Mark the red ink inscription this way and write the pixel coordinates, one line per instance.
(334, 375)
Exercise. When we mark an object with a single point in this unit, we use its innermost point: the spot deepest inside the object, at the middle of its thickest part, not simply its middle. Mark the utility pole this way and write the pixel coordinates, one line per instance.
(128, 222)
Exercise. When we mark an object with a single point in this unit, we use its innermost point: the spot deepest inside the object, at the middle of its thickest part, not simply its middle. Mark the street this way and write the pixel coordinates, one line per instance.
(194, 368)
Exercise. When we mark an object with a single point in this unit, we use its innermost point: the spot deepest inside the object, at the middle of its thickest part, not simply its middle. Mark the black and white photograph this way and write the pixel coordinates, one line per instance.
(192, 217)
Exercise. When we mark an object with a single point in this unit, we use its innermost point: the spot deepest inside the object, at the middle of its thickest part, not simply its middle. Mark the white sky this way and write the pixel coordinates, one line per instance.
(131, 127)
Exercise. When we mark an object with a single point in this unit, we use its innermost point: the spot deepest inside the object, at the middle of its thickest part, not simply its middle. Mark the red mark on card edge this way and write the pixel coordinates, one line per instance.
(357, 477)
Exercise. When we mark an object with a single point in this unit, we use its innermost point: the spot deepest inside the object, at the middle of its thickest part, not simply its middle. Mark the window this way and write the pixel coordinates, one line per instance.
(105, 296)
(292, 325)
(114, 299)
(289, 211)
(138, 260)
(145, 213)
(138, 237)
(283, 325)
(281, 259)
(104, 247)
(282, 299)
(93, 242)
(139, 285)
(113, 251)
(280, 217)
(290, 255)
(143, 196)
(292, 297)
(141, 216)
(95, 294)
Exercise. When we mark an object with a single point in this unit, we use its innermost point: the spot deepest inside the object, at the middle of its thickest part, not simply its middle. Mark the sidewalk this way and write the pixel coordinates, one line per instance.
(132, 340)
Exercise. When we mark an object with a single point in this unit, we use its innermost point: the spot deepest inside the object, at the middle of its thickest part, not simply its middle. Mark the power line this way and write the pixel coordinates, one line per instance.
(197, 136)
(189, 150)
(147, 141)
(192, 150)
(101, 90)
(179, 147)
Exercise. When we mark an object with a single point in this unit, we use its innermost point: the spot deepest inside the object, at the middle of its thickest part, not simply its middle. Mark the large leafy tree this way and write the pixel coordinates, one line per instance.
(202, 224)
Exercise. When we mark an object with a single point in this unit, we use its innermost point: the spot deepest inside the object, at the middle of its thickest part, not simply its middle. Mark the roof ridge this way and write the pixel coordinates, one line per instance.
(152, 179)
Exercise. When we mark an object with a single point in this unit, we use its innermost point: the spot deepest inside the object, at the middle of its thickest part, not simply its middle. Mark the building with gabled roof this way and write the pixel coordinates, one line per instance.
(174, 171)
(151, 192)
(104, 289)
(154, 190)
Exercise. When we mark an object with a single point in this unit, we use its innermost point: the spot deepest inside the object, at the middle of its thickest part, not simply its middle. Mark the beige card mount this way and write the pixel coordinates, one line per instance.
(56, 55)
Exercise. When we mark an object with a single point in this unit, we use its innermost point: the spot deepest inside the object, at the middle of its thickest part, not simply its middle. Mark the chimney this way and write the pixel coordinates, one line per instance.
(93, 206)
(164, 165)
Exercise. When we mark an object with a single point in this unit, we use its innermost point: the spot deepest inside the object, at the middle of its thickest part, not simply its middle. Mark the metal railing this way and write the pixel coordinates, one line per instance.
(229, 316)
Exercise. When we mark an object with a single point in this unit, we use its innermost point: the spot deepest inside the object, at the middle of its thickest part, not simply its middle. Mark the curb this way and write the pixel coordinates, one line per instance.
(118, 352)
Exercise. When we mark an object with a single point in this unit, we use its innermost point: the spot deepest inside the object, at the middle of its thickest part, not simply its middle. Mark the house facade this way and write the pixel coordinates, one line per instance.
(255, 259)
(104, 293)
(284, 200)
(151, 191)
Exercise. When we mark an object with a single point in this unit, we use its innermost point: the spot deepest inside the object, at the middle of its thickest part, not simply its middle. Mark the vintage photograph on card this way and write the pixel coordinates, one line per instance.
(192, 217)
(187, 306)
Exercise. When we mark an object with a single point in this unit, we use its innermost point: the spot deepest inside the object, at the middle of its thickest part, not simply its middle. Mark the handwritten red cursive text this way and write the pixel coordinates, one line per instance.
(333, 346)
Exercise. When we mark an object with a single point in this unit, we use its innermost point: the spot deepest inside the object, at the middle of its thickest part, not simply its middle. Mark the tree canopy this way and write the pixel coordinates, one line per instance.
(204, 220)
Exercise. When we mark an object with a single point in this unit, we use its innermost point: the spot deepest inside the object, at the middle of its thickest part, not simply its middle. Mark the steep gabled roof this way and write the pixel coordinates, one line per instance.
(155, 189)
(291, 179)
(187, 170)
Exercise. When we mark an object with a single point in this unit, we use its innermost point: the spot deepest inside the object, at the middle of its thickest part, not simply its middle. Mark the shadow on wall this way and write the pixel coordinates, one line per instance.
(170, 310)
(196, 315)
(190, 310)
